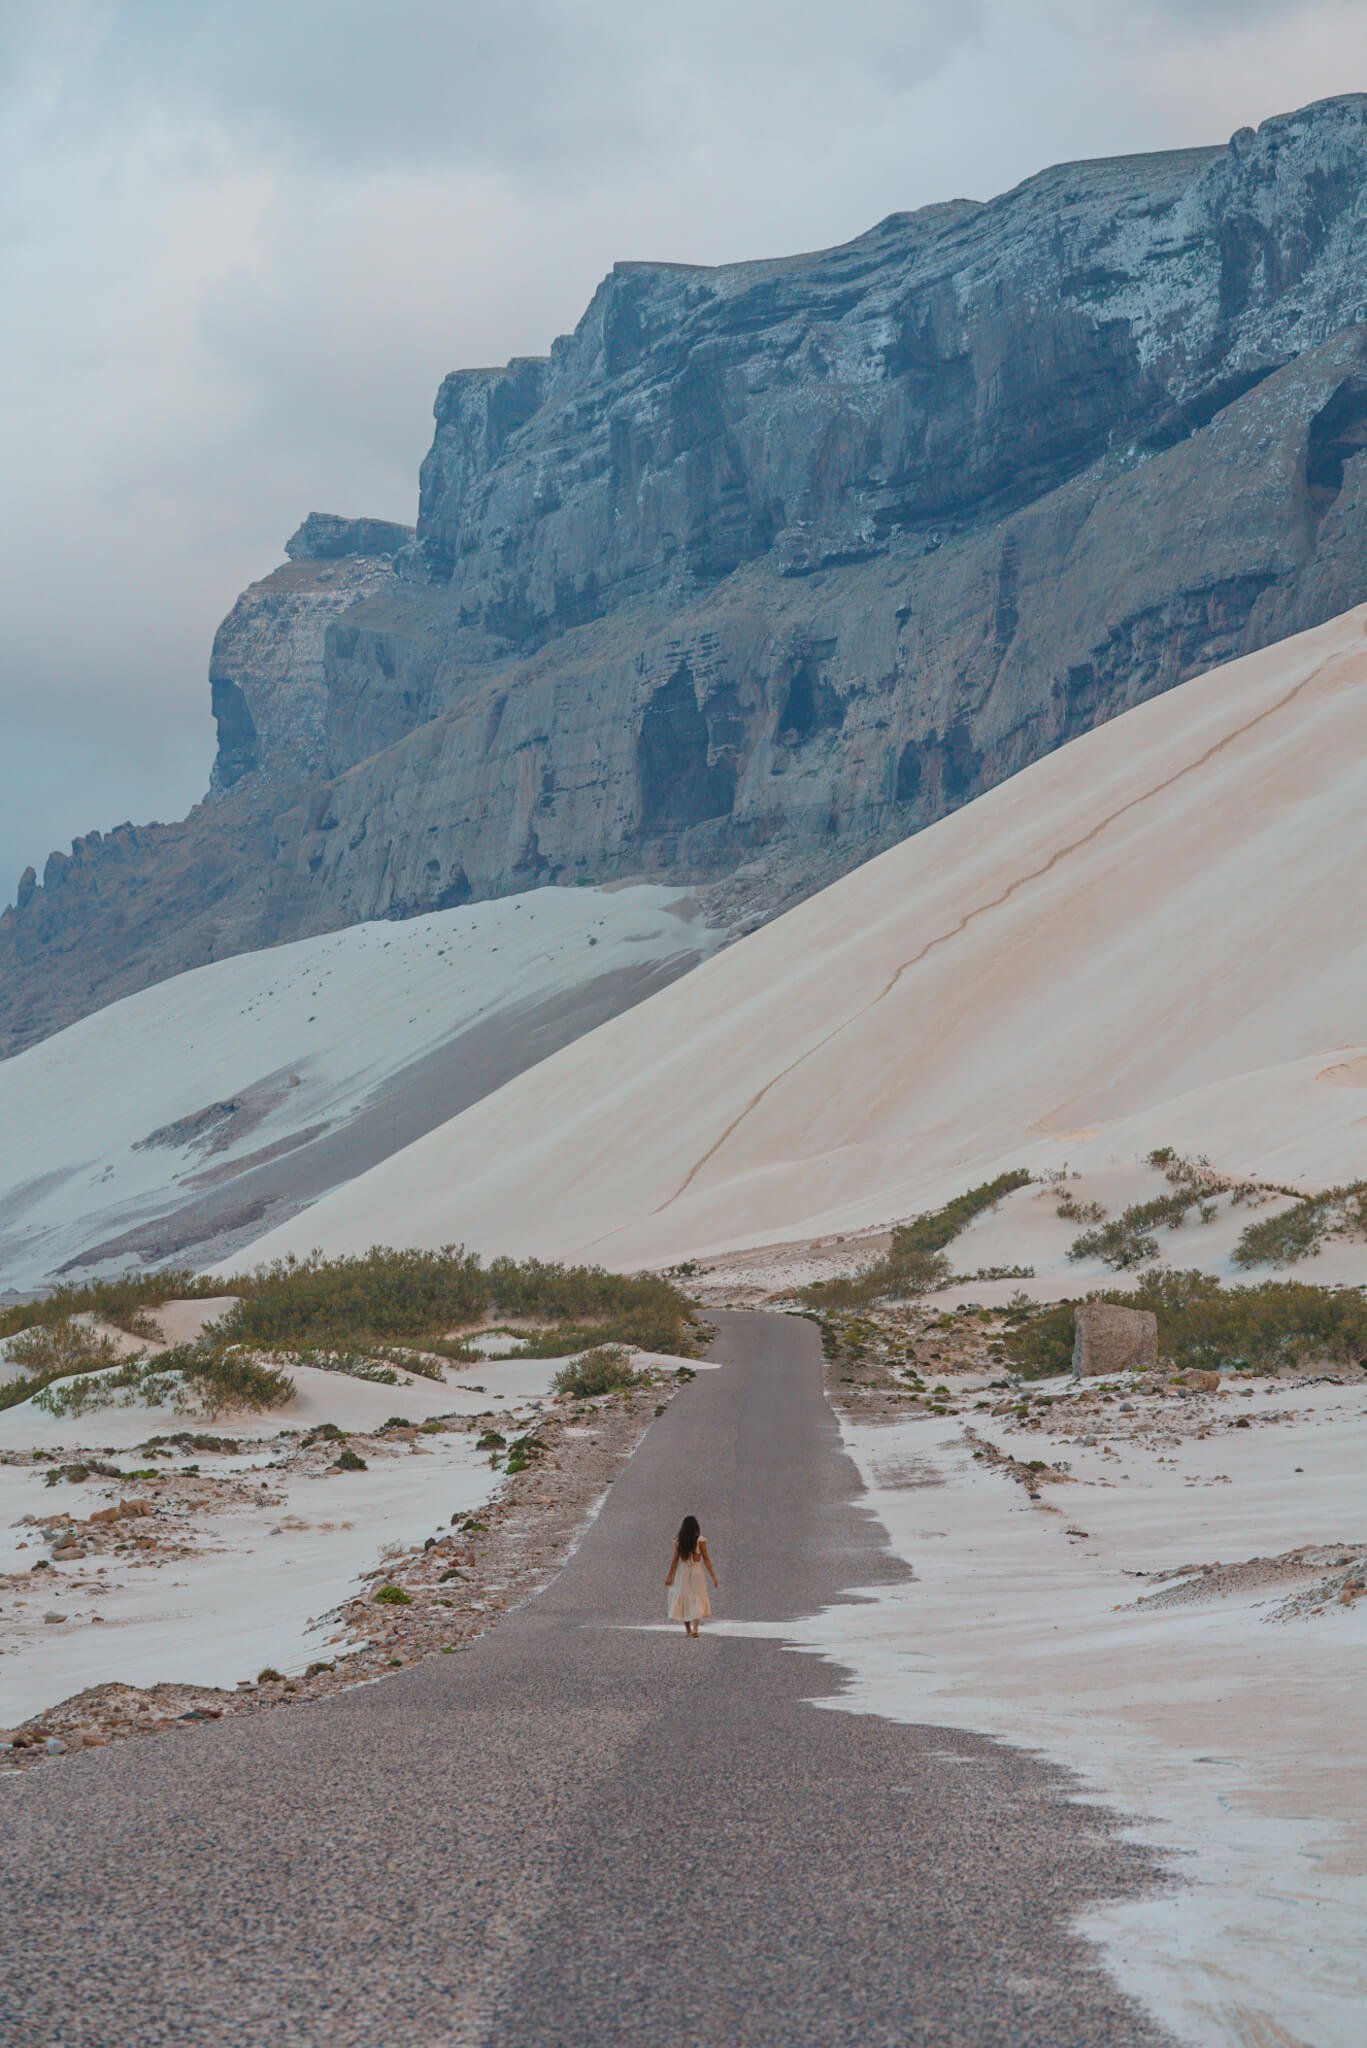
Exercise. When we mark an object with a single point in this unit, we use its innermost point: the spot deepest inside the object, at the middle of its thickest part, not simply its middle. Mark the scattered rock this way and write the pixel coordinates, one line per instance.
(54, 1617)
(122, 1511)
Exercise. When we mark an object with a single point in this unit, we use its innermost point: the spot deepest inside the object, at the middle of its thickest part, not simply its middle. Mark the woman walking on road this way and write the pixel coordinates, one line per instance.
(689, 1570)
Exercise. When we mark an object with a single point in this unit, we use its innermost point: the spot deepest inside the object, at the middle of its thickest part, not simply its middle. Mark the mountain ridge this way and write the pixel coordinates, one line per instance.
(769, 564)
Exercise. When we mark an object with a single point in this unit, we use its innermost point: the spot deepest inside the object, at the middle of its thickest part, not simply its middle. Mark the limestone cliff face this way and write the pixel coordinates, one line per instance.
(267, 684)
(768, 565)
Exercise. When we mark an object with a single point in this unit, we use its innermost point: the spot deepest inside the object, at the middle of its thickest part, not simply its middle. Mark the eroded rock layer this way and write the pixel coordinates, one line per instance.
(767, 566)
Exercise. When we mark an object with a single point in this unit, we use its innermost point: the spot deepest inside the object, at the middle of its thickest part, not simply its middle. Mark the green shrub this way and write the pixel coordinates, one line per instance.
(55, 1350)
(605, 1369)
(1297, 1233)
(1127, 1240)
(525, 1450)
(85, 1468)
(392, 1596)
(224, 1382)
(354, 1364)
(387, 1296)
(1202, 1323)
(915, 1262)
(123, 1300)
(121, 1387)
(269, 1676)
(348, 1460)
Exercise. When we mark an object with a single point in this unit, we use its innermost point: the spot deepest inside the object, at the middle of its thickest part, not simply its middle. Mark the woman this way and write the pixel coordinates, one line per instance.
(689, 1570)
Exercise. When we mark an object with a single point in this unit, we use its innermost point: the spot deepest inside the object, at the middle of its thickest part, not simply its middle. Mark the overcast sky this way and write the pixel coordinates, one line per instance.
(242, 243)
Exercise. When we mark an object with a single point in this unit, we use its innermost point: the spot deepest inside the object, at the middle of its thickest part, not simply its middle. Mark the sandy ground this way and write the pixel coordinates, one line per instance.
(249, 1550)
(1174, 1618)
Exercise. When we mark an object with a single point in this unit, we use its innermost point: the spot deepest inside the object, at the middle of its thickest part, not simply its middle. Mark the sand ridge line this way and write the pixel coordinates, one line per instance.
(981, 910)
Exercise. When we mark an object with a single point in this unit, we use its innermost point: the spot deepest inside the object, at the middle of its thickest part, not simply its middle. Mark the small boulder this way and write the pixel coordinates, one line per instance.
(1203, 1382)
(1109, 1339)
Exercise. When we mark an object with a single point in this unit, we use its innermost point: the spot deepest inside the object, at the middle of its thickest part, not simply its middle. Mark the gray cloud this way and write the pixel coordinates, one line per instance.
(241, 244)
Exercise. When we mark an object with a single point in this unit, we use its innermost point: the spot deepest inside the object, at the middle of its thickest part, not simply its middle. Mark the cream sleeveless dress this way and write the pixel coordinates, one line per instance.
(688, 1599)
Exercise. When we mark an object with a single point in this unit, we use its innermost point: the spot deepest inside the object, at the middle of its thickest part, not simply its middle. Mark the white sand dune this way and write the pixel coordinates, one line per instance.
(199, 1111)
(1151, 937)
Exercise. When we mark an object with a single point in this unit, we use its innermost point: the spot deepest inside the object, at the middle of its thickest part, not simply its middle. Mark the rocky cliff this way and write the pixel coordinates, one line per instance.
(768, 565)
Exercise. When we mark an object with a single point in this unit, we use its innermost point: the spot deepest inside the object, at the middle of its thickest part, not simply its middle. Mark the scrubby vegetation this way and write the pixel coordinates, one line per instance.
(416, 1297)
(1203, 1323)
(915, 1260)
(1127, 1240)
(605, 1369)
(192, 1378)
(123, 1301)
(372, 1317)
(1299, 1232)
(50, 1350)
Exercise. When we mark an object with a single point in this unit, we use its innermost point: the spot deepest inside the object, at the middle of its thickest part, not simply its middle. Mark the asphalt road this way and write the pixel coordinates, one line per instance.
(584, 1832)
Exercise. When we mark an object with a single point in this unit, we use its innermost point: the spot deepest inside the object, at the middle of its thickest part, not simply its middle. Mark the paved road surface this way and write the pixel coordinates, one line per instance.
(583, 1832)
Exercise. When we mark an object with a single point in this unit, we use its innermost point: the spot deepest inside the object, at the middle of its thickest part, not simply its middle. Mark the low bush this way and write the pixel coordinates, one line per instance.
(54, 1351)
(348, 1460)
(392, 1596)
(123, 1300)
(1297, 1233)
(188, 1377)
(915, 1261)
(395, 1297)
(354, 1364)
(1127, 1240)
(122, 1387)
(606, 1369)
(224, 1382)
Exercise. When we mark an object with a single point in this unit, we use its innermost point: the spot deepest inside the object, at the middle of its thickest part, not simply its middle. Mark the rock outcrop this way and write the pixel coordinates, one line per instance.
(267, 679)
(769, 565)
(1109, 1339)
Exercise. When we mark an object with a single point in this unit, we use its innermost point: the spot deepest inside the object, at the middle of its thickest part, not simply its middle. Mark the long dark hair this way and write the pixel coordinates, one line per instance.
(689, 1535)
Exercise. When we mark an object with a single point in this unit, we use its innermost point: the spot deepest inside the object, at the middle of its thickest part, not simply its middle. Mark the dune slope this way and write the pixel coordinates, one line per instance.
(1152, 936)
(196, 1113)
